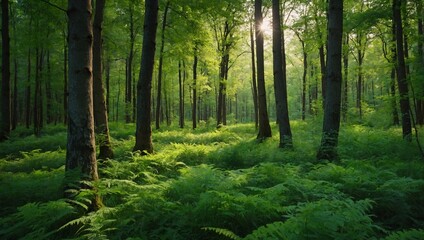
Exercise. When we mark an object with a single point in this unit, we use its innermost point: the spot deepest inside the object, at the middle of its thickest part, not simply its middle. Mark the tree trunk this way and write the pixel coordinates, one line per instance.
(254, 88)
(15, 97)
(159, 93)
(129, 69)
(65, 84)
(38, 111)
(194, 106)
(264, 127)
(331, 125)
(48, 87)
(280, 81)
(143, 134)
(345, 77)
(81, 147)
(99, 104)
(420, 62)
(401, 73)
(5, 85)
(181, 95)
(393, 77)
(108, 86)
(28, 93)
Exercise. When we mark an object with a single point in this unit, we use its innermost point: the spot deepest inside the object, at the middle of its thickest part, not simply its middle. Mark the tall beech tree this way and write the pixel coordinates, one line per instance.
(401, 72)
(280, 81)
(5, 124)
(143, 134)
(81, 146)
(264, 127)
(331, 125)
(99, 102)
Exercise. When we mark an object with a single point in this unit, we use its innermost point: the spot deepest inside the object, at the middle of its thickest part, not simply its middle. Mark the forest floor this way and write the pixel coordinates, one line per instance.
(218, 184)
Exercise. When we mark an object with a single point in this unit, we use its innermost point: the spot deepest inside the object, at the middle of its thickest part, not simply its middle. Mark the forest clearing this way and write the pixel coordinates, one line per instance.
(212, 119)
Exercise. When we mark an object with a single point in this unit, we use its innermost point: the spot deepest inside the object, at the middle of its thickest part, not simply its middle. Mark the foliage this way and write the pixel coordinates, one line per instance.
(207, 184)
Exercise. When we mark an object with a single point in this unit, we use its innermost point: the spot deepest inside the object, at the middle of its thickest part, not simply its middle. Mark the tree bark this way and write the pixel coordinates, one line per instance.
(65, 82)
(162, 45)
(181, 95)
(254, 87)
(15, 97)
(264, 127)
(81, 147)
(420, 62)
(5, 88)
(194, 106)
(331, 125)
(144, 86)
(345, 77)
(28, 93)
(38, 104)
(129, 70)
(401, 73)
(280, 81)
(99, 104)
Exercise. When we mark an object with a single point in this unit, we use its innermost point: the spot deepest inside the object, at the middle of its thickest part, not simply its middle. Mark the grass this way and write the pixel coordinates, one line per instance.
(219, 184)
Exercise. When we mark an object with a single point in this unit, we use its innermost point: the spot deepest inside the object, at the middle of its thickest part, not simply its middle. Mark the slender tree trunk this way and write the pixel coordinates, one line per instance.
(401, 73)
(194, 106)
(38, 111)
(143, 134)
(108, 86)
(254, 88)
(264, 127)
(345, 77)
(5, 85)
(323, 72)
(181, 95)
(81, 147)
(420, 62)
(49, 97)
(100, 111)
(28, 93)
(280, 81)
(331, 125)
(129, 70)
(15, 96)
(360, 84)
(159, 93)
(65, 80)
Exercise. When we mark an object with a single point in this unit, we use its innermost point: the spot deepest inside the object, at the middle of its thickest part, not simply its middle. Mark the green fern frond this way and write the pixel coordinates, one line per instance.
(224, 232)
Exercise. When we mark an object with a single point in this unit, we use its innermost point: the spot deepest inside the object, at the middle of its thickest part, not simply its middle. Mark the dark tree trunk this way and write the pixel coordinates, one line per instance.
(323, 72)
(49, 97)
(280, 81)
(420, 62)
(393, 60)
(143, 134)
(345, 77)
(81, 147)
(194, 106)
(15, 97)
(108, 86)
(331, 125)
(360, 58)
(38, 104)
(162, 45)
(5, 85)
(28, 93)
(65, 84)
(401, 73)
(254, 88)
(181, 95)
(264, 127)
(100, 111)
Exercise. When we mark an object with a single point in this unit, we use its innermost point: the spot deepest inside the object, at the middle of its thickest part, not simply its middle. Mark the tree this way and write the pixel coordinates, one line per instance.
(160, 68)
(100, 111)
(264, 127)
(280, 82)
(401, 73)
(81, 147)
(143, 135)
(331, 125)
(5, 86)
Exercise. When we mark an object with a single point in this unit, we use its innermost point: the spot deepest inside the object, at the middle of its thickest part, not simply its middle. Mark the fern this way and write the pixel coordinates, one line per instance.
(412, 234)
(223, 232)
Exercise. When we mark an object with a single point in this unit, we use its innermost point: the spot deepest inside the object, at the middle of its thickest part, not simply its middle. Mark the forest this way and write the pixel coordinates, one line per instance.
(217, 119)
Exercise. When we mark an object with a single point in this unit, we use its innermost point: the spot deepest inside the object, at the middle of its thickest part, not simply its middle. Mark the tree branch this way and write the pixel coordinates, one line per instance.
(55, 6)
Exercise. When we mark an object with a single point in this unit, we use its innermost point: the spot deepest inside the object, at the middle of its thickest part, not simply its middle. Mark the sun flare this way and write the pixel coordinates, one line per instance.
(266, 27)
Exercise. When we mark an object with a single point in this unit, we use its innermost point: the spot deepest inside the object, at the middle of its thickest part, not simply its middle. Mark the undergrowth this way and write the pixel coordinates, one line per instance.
(218, 184)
